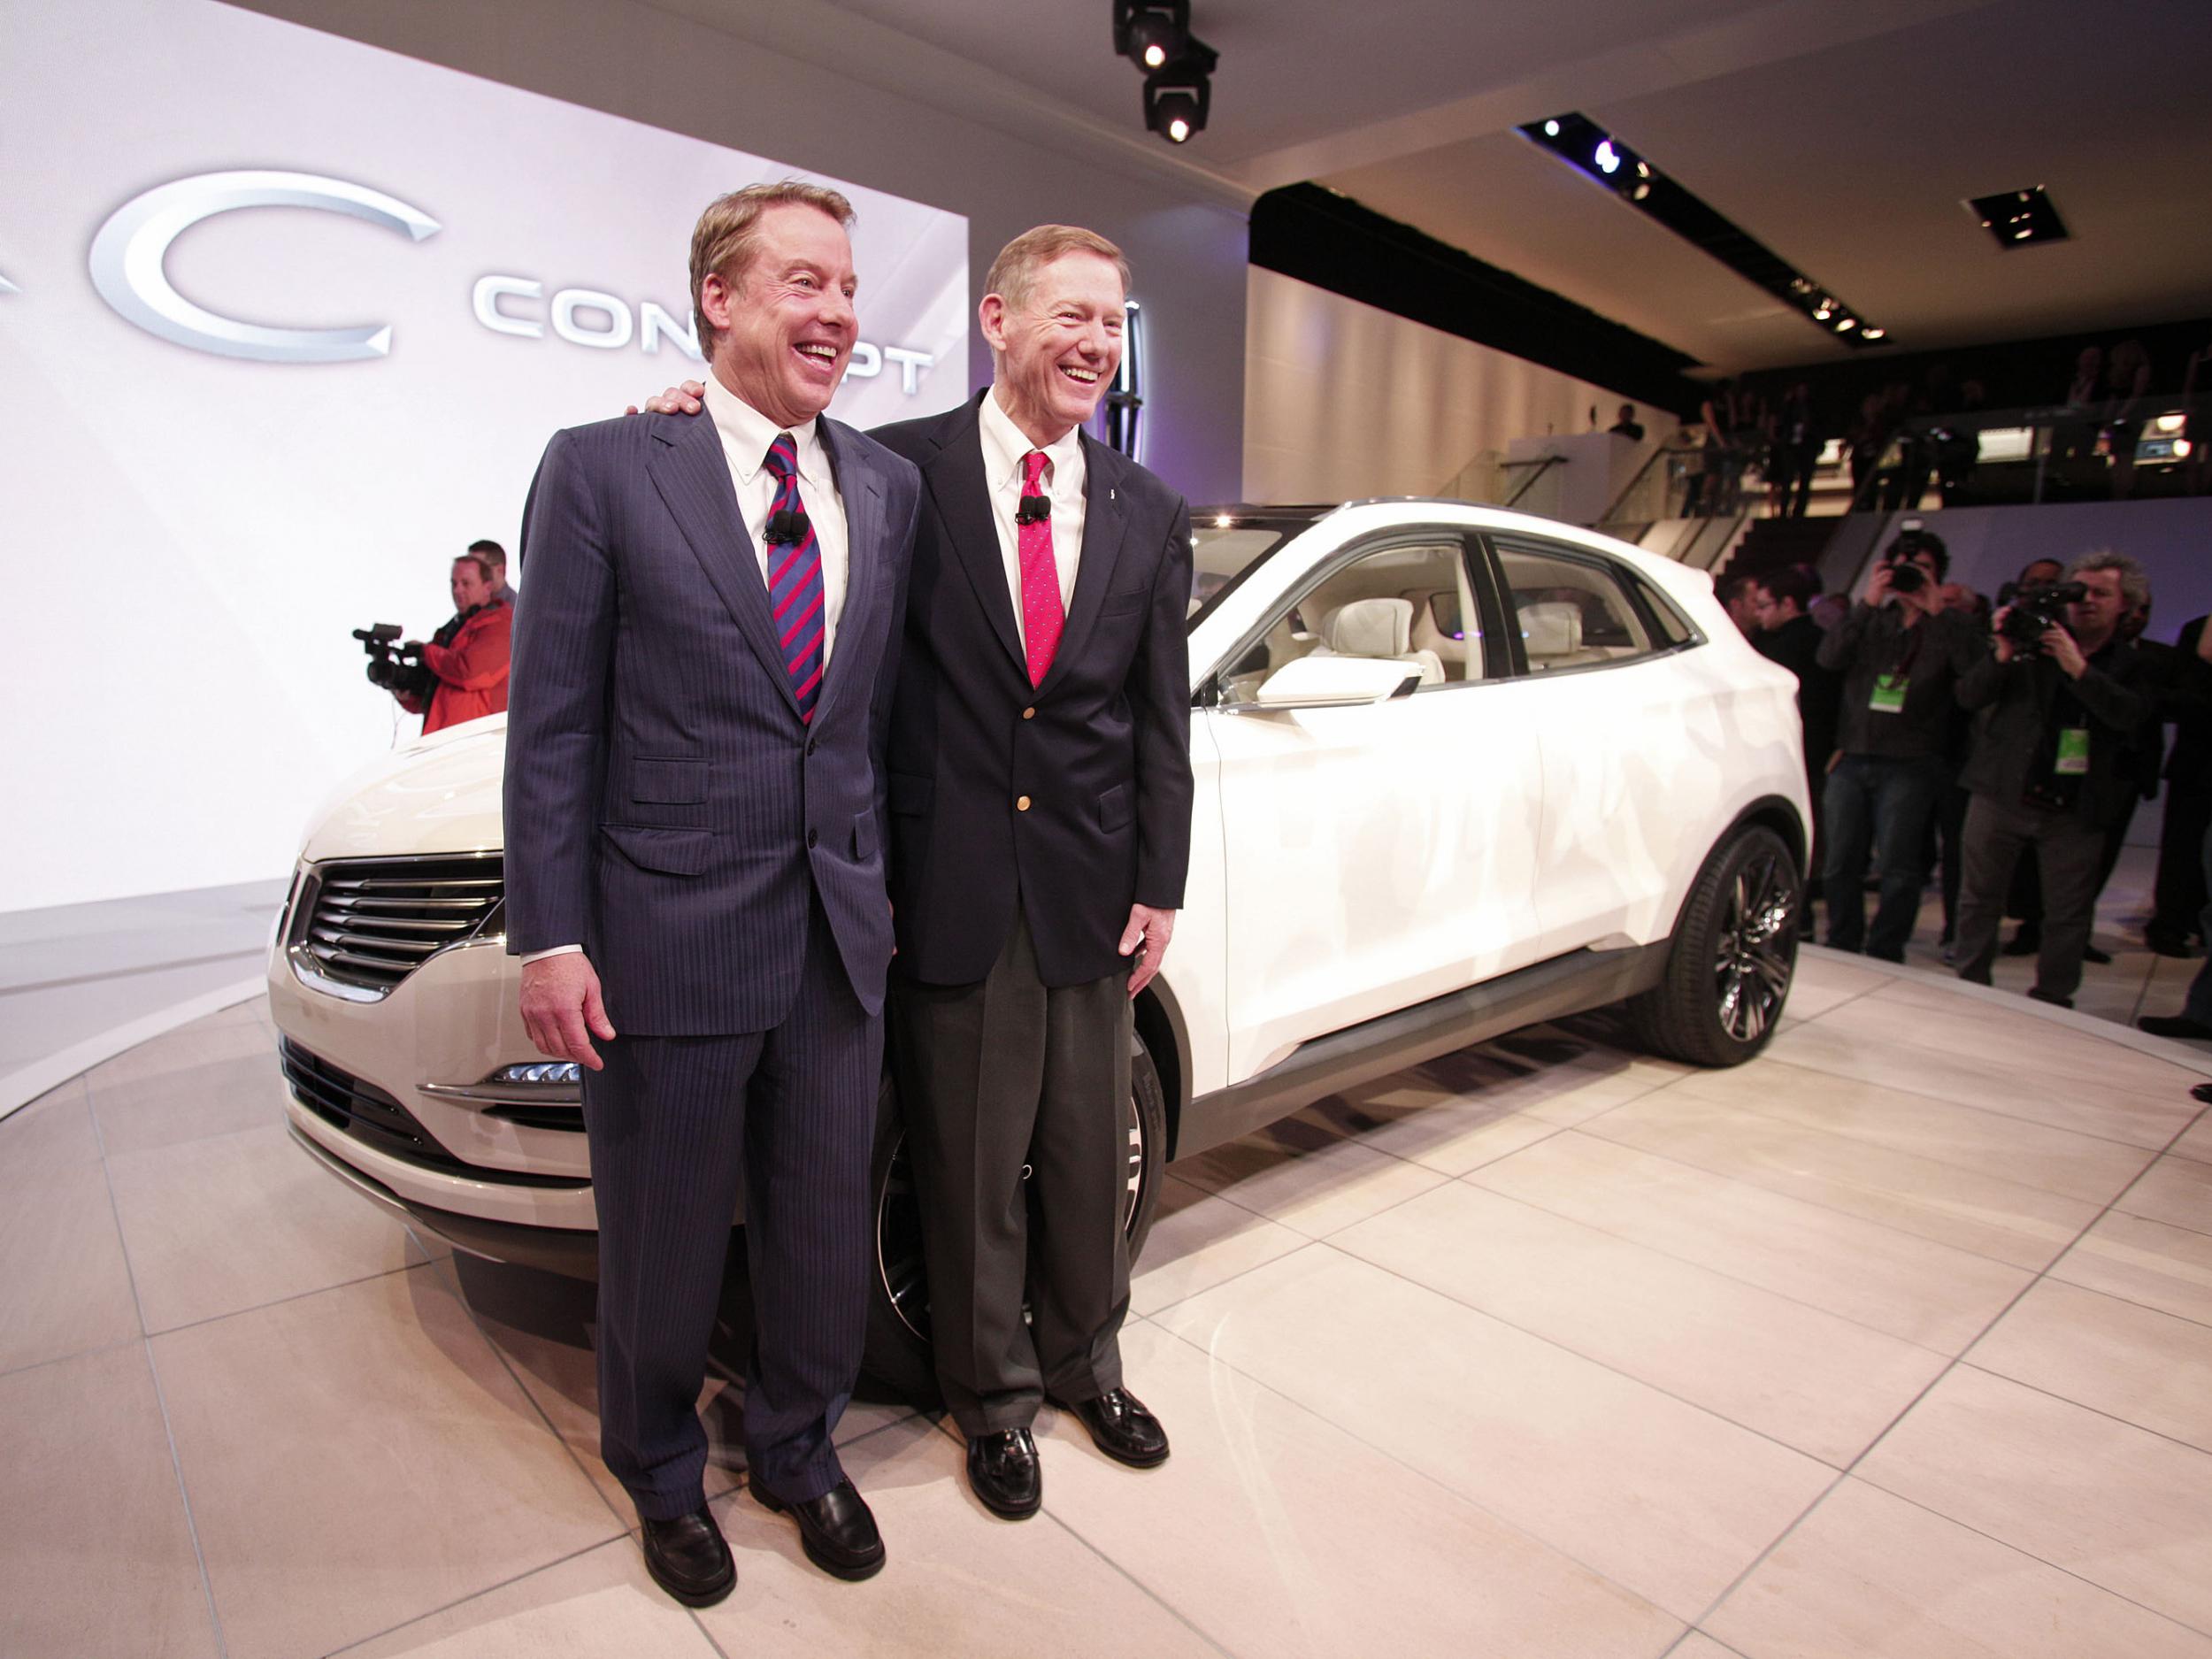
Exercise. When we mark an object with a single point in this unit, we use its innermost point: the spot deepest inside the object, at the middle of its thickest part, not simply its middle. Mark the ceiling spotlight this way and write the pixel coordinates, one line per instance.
(1609, 159)
(1844, 325)
(1822, 311)
(1178, 95)
(1872, 334)
(1551, 129)
(2019, 219)
(1151, 35)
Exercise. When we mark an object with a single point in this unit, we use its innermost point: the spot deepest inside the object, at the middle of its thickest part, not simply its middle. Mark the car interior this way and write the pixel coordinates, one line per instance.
(1406, 603)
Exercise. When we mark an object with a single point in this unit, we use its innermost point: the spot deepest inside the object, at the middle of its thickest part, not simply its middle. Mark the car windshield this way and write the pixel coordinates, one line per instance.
(1229, 544)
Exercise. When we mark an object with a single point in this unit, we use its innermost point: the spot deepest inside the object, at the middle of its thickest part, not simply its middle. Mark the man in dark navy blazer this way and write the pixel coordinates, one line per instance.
(702, 662)
(1040, 797)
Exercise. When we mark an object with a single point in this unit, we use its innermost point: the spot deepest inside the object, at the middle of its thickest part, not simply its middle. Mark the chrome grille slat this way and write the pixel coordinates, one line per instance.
(369, 923)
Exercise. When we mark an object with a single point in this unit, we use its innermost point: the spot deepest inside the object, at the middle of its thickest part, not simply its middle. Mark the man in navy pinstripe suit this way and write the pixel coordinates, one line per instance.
(702, 662)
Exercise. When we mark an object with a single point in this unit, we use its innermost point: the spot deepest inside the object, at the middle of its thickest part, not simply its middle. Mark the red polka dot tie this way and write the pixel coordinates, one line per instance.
(1042, 616)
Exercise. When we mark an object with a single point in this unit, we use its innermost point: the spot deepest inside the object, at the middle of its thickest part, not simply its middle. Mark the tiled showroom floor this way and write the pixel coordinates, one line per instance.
(1898, 1342)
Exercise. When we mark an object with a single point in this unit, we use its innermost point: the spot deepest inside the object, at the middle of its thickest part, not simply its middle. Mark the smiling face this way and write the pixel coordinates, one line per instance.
(785, 325)
(1055, 354)
(468, 586)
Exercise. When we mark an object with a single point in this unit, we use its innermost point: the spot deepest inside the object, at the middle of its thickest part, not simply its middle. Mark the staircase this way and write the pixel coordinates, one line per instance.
(1777, 543)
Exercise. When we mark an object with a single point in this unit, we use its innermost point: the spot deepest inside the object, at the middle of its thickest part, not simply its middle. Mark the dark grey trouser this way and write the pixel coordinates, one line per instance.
(677, 1125)
(2070, 854)
(992, 1077)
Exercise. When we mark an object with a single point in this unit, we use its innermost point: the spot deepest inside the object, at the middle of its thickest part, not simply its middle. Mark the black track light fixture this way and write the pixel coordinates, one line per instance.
(1178, 95)
(1151, 35)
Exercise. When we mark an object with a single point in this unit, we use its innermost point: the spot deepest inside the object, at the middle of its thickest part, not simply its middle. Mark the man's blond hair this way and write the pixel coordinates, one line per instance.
(1014, 272)
(728, 234)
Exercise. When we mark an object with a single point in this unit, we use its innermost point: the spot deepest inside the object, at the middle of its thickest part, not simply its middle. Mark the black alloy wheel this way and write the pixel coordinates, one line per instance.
(1733, 956)
(897, 1349)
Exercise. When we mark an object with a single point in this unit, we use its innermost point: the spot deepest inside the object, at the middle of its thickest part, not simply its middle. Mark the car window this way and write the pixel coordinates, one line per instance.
(1572, 608)
(1403, 600)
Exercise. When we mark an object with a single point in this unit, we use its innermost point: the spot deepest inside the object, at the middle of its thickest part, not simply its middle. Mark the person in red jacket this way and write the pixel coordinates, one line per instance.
(467, 657)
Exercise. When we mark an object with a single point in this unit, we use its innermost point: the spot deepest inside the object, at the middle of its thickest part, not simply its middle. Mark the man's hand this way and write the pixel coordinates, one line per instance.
(1878, 585)
(1997, 631)
(2065, 652)
(677, 400)
(561, 1008)
(1147, 934)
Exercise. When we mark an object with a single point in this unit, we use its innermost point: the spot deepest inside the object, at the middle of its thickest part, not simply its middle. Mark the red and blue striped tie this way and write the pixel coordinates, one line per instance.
(795, 582)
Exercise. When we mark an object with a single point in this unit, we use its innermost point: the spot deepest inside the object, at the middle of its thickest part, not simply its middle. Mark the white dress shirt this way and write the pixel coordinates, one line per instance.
(1003, 446)
(746, 434)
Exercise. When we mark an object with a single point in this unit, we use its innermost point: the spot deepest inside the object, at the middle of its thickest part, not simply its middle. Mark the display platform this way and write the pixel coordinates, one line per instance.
(1896, 1340)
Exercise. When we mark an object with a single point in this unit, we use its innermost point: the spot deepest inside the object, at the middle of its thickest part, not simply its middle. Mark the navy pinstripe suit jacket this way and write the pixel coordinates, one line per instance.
(666, 805)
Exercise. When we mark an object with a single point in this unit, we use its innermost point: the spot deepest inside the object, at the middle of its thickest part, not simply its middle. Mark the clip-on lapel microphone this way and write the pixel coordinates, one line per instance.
(1032, 507)
(786, 524)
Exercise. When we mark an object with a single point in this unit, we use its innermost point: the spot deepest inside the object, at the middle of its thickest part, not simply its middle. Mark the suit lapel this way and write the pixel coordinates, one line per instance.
(956, 484)
(1105, 518)
(693, 476)
(857, 488)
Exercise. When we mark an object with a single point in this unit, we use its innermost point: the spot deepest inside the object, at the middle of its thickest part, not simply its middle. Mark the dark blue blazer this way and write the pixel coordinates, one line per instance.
(1100, 751)
(667, 807)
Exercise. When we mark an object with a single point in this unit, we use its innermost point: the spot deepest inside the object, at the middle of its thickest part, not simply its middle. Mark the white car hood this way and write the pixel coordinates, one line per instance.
(437, 794)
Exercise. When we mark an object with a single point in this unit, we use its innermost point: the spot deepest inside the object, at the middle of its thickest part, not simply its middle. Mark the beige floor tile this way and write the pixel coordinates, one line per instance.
(52, 1132)
(1825, 981)
(1198, 1240)
(95, 1552)
(67, 1285)
(2197, 1143)
(1869, 1576)
(201, 1080)
(2035, 1155)
(546, 1326)
(957, 1580)
(2146, 1261)
(2025, 1225)
(1305, 1174)
(1907, 1287)
(2115, 1504)
(1278, 1534)
(1664, 1499)
(2149, 1368)
(370, 1425)
(600, 1602)
(2011, 1087)
(229, 1222)
(1997, 1029)
(2175, 1191)
(1698, 1645)
(1410, 1116)
(1808, 1378)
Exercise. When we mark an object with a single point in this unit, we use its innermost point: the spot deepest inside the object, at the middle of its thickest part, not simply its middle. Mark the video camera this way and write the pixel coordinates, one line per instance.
(2037, 608)
(398, 669)
(1905, 576)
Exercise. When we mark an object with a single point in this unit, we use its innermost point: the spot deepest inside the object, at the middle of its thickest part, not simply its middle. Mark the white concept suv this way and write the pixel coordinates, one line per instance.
(1458, 771)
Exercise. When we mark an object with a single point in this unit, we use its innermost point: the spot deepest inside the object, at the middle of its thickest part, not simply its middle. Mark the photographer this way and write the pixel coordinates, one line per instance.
(1901, 652)
(467, 657)
(2064, 708)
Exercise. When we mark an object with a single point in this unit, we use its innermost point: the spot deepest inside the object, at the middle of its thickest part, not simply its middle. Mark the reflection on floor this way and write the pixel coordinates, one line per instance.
(1896, 1342)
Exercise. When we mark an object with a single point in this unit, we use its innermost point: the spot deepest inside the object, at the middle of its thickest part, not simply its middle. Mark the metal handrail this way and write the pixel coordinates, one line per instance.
(1542, 463)
(1612, 511)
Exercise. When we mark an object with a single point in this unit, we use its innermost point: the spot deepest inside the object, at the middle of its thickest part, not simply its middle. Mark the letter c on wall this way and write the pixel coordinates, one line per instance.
(128, 255)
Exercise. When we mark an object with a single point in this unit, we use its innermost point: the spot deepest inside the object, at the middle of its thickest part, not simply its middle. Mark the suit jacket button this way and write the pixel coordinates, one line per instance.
(810, 746)
(1029, 714)
(1022, 805)
(812, 837)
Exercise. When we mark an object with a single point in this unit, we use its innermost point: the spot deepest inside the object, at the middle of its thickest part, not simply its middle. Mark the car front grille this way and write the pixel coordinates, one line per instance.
(369, 1115)
(369, 923)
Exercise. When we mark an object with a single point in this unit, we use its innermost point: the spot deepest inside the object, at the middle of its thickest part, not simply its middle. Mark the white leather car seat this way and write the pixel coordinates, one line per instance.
(1379, 628)
(1551, 633)
(1454, 653)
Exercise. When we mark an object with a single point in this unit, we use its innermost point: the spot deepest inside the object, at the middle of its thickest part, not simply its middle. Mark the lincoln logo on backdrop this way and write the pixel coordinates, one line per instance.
(130, 251)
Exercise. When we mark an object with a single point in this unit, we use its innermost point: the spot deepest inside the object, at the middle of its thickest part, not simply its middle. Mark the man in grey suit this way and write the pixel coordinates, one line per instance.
(703, 663)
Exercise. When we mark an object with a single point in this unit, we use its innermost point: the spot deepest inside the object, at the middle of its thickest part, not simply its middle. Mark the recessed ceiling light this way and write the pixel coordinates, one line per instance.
(2019, 219)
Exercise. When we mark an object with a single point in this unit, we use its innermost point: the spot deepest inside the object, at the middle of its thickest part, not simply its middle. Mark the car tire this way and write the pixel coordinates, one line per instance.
(1733, 959)
(897, 1351)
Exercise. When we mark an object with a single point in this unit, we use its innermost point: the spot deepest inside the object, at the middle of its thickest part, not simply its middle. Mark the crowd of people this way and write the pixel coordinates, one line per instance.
(2008, 742)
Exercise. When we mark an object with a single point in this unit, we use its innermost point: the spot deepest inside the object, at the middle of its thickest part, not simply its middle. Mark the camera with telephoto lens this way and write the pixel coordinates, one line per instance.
(398, 669)
(2038, 608)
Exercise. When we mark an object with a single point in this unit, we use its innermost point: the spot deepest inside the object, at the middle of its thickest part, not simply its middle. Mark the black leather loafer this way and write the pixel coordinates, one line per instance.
(2174, 1026)
(1123, 1429)
(1003, 1469)
(836, 1530)
(688, 1559)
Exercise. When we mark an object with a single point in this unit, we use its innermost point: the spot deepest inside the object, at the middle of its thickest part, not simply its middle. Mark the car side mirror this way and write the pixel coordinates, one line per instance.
(1329, 681)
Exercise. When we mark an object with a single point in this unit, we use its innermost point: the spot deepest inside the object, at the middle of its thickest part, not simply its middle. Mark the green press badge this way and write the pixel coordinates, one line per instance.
(2073, 751)
(1889, 694)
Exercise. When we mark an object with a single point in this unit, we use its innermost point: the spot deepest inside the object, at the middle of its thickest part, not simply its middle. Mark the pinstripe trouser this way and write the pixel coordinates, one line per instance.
(676, 1125)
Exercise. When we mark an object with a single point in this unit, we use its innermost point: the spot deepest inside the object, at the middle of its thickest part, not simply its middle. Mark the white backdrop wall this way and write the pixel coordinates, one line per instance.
(186, 539)
(1342, 400)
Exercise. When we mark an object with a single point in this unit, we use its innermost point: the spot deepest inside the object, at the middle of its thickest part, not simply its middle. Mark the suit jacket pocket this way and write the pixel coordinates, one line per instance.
(674, 852)
(910, 792)
(1113, 808)
(864, 835)
(668, 782)
(1122, 604)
